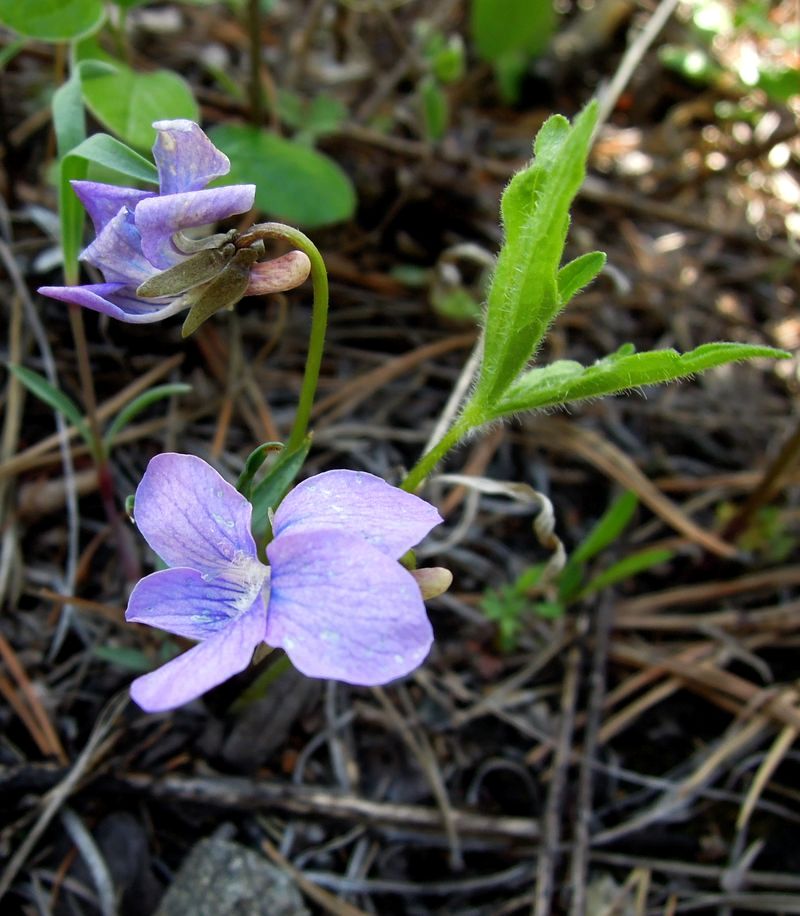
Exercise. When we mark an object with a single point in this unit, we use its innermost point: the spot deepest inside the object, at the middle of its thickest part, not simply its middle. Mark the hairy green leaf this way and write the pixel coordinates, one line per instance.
(579, 273)
(524, 297)
(565, 381)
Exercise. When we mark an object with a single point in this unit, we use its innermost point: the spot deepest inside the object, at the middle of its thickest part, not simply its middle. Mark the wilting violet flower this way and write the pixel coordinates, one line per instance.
(334, 596)
(139, 234)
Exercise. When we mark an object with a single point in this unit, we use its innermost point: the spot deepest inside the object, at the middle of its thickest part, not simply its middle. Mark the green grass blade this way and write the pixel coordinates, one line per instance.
(55, 398)
(137, 405)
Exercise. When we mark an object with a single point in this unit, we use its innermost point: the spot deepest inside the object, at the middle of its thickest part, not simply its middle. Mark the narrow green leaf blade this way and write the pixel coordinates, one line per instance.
(53, 397)
(69, 122)
(270, 491)
(251, 466)
(566, 381)
(608, 528)
(604, 532)
(132, 410)
(628, 567)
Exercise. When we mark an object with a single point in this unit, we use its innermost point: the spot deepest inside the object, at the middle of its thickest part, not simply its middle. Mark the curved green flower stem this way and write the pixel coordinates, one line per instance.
(319, 318)
(416, 476)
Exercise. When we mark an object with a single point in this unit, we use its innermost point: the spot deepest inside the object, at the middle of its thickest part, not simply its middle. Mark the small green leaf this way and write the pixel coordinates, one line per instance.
(272, 488)
(501, 26)
(627, 568)
(52, 20)
(54, 398)
(127, 102)
(549, 610)
(573, 277)
(566, 381)
(251, 466)
(132, 410)
(434, 108)
(294, 183)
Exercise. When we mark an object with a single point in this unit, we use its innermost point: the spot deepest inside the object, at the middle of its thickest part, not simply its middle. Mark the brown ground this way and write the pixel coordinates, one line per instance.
(634, 756)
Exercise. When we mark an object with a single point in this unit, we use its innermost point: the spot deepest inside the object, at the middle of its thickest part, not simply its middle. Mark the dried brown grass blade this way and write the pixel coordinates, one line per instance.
(38, 712)
(614, 463)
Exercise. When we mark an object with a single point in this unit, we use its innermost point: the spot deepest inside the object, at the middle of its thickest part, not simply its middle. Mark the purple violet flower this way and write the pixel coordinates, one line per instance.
(334, 596)
(137, 231)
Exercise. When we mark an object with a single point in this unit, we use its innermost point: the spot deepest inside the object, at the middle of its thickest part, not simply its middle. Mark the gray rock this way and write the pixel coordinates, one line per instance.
(222, 878)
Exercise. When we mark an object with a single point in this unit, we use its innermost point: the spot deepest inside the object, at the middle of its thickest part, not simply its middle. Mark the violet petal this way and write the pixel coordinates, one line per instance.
(183, 602)
(159, 218)
(191, 516)
(107, 298)
(104, 201)
(342, 609)
(204, 666)
(186, 159)
(359, 503)
(117, 251)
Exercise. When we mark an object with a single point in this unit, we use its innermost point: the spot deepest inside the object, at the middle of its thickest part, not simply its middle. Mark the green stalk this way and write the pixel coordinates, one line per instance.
(319, 317)
(416, 476)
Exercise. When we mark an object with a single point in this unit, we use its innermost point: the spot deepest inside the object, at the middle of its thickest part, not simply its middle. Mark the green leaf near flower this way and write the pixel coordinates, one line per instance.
(52, 20)
(293, 182)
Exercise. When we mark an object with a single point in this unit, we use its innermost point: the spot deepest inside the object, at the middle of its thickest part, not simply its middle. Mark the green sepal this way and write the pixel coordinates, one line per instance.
(186, 275)
(187, 245)
(222, 292)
